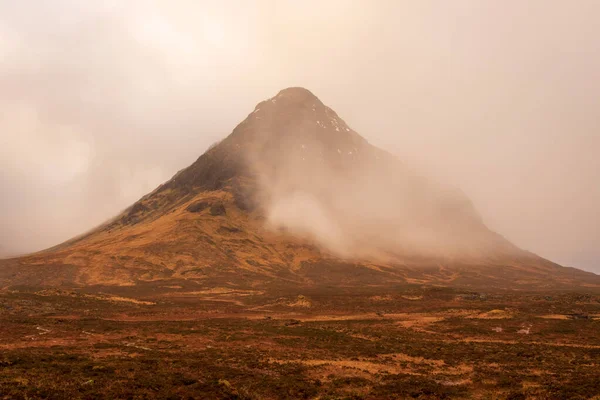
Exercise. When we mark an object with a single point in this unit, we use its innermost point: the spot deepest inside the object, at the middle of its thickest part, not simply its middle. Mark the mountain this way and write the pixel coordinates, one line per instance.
(294, 197)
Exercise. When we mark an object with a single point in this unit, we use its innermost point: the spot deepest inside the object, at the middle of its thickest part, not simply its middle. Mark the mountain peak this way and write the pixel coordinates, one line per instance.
(296, 92)
(291, 196)
(293, 97)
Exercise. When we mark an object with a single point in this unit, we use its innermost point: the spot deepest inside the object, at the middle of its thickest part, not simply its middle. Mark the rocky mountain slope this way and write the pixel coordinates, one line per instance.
(294, 196)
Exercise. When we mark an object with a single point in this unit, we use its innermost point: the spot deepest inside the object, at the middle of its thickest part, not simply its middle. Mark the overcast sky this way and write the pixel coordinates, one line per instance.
(101, 101)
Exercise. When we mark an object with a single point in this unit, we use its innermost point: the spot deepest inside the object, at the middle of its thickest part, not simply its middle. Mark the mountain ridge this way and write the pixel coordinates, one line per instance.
(294, 196)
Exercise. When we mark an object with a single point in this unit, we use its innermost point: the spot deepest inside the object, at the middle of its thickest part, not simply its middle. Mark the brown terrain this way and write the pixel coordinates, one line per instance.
(225, 282)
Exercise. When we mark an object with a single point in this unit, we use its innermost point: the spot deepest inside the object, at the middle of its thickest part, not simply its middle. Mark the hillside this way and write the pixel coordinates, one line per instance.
(294, 197)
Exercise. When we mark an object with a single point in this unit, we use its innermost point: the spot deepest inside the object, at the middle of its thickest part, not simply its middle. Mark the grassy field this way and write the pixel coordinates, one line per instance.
(188, 342)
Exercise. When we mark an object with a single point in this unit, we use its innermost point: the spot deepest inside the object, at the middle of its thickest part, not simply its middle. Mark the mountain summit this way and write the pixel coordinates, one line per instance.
(294, 196)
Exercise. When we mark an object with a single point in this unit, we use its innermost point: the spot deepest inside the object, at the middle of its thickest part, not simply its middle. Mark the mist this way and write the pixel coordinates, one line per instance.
(319, 178)
(100, 102)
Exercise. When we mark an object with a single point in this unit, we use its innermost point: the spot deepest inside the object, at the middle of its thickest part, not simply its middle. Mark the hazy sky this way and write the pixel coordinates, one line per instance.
(101, 101)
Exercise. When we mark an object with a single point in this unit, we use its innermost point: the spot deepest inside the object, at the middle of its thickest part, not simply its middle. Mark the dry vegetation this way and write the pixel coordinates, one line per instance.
(408, 341)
